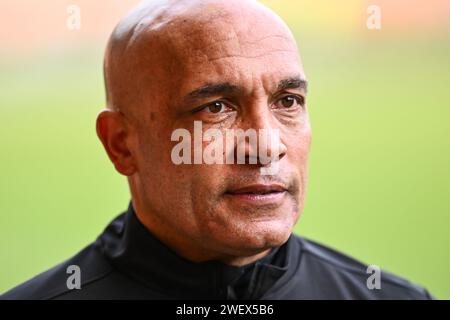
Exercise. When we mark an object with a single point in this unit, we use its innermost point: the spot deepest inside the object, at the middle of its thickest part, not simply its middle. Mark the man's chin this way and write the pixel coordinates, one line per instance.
(257, 236)
(268, 234)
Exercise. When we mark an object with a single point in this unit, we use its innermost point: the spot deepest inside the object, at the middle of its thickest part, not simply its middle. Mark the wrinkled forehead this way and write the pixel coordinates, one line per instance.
(208, 44)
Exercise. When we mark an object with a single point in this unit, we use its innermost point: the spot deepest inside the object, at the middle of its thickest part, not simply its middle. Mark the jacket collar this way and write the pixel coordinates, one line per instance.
(133, 250)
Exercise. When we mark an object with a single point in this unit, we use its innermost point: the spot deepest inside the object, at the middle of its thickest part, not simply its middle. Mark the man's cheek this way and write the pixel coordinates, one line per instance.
(207, 178)
(300, 144)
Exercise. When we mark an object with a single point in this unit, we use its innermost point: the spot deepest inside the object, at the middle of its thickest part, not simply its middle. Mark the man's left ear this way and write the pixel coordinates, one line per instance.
(115, 137)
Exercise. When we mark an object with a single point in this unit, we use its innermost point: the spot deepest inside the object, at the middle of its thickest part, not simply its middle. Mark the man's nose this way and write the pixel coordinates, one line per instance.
(268, 145)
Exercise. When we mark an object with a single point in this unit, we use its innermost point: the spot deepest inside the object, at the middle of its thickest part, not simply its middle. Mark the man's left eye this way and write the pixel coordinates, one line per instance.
(290, 102)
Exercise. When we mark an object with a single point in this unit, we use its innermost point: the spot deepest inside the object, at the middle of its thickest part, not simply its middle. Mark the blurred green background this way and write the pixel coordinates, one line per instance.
(379, 181)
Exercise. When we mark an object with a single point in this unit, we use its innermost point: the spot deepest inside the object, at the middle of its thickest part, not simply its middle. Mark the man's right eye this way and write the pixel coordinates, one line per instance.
(217, 107)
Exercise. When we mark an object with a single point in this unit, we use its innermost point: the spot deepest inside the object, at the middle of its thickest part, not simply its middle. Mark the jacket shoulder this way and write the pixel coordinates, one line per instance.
(350, 276)
(52, 283)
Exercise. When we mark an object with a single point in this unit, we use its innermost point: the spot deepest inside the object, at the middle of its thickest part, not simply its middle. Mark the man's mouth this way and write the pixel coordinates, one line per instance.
(258, 193)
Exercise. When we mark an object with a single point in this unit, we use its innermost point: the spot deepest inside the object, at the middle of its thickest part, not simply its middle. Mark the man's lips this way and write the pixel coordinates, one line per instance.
(257, 189)
(258, 194)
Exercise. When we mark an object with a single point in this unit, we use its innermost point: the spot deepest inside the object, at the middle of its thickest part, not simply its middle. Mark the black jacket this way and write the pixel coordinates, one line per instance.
(128, 262)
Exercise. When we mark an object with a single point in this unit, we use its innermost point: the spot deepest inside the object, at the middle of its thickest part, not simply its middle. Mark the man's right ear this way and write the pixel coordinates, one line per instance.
(114, 134)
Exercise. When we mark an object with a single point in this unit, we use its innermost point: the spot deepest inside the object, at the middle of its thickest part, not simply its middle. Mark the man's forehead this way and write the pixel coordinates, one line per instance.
(192, 44)
(247, 72)
(250, 64)
(225, 65)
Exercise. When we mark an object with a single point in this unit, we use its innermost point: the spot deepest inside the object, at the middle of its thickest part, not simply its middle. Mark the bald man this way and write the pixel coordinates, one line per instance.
(199, 229)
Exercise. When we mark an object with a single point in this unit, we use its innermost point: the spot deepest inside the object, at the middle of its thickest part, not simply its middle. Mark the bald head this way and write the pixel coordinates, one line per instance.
(160, 40)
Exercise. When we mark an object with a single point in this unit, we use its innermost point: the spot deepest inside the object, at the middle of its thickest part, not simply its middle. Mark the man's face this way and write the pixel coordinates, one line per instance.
(245, 68)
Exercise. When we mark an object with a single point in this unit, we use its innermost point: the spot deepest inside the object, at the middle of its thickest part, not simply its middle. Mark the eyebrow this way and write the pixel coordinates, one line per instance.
(211, 90)
(293, 83)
